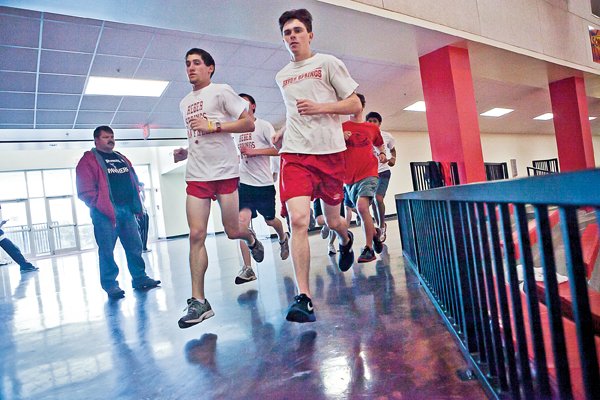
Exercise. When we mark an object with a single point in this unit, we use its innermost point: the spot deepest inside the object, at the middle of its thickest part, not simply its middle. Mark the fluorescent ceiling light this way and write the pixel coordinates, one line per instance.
(496, 112)
(544, 117)
(124, 87)
(592, 118)
(418, 106)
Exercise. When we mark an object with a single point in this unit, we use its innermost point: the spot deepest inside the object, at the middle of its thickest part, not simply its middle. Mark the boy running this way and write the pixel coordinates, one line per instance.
(316, 89)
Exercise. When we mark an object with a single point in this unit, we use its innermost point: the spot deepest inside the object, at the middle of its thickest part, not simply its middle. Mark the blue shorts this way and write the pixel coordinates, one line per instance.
(384, 181)
(363, 188)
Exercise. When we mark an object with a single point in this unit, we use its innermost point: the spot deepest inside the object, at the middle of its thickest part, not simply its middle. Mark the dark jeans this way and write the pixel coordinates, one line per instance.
(13, 251)
(106, 237)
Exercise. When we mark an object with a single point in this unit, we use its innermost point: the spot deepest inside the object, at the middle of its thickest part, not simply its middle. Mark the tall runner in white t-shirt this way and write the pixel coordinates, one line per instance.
(256, 190)
(316, 89)
(384, 173)
(211, 113)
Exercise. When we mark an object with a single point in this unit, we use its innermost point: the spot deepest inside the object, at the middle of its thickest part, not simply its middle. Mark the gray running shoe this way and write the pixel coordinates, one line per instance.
(196, 313)
(325, 232)
(257, 250)
(284, 250)
(331, 249)
(245, 275)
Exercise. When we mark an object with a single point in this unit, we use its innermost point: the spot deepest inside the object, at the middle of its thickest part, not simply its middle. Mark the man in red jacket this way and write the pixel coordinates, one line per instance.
(108, 185)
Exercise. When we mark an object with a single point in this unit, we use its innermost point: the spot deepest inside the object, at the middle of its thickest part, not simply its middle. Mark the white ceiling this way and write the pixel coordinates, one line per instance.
(46, 59)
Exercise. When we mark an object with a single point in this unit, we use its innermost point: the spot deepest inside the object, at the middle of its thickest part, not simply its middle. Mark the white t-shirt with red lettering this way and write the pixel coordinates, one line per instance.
(212, 156)
(256, 171)
(321, 78)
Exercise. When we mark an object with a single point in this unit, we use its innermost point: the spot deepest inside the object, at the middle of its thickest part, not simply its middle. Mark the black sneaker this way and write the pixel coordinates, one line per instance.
(377, 242)
(145, 283)
(301, 310)
(115, 292)
(346, 256)
(367, 255)
(257, 250)
(196, 313)
(29, 268)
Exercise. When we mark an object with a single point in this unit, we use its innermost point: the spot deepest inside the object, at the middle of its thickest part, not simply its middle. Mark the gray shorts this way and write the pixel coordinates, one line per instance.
(384, 181)
(363, 188)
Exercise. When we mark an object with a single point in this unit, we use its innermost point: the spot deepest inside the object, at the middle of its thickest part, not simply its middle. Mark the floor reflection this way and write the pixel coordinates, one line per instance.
(376, 335)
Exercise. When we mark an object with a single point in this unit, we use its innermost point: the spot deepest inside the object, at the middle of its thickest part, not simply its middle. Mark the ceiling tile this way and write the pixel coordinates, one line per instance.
(168, 104)
(278, 60)
(177, 90)
(60, 84)
(18, 59)
(133, 117)
(19, 31)
(95, 118)
(100, 103)
(250, 56)
(17, 81)
(16, 116)
(138, 104)
(220, 51)
(17, 126)
(162, 70)
(233, 75)
(54, 126)
(55, 117)
(114, 66)
(17, 100)
(172, 47)
(168, 119)
(62, 62)
(123, 42)
(58, 101)
(70, 37)
(73, 20)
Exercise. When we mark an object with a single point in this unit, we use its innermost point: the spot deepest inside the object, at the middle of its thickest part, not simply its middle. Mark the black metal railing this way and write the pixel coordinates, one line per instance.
(543, 167)
(432, 174)
(462, 242)
(496, 171)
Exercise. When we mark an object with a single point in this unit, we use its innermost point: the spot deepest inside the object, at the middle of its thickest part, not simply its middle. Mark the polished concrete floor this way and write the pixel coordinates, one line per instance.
(376, 337)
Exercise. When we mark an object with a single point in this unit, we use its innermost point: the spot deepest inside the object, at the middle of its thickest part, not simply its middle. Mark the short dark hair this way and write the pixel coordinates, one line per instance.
(302, 15)
(205, 56)
(103, 128)
(250, 99)
(362, 99)
(375, 115)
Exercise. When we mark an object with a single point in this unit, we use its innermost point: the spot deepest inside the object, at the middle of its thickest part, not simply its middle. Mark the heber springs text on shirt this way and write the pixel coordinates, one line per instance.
(246, 140)
(316, 73)
(194, 110)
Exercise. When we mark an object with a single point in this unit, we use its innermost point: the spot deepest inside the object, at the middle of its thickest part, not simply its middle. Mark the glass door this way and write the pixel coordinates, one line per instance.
(17, 226)
(61, 224)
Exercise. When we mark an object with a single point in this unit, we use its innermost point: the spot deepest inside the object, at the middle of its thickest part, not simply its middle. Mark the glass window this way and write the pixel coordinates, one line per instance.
(143, 175)
(595, 7)
(57, 182)
(38, 211)
(34, 184)
(13, 185)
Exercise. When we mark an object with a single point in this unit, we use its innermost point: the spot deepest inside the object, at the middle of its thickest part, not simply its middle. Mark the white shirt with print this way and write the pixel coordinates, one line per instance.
(389, 143)
(321, 78)
(256, 171)
(212, 156)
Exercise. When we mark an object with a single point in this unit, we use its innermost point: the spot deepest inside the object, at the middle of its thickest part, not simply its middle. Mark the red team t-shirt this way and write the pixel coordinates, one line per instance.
(361, 163)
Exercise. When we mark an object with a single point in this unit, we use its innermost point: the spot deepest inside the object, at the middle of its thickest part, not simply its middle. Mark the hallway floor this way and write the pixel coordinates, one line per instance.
(377, 336)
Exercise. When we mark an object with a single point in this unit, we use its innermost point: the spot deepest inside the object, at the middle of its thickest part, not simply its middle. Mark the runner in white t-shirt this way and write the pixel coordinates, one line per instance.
(211, 113)
(316, 89)
(256, 190)
(384, 174)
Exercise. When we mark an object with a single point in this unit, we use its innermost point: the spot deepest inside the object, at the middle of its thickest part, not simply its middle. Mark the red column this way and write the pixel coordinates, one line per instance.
(451, 112)
(571, 124)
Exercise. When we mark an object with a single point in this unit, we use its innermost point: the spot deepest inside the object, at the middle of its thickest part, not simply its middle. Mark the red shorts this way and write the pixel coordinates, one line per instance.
(210, 189)
(319, 176)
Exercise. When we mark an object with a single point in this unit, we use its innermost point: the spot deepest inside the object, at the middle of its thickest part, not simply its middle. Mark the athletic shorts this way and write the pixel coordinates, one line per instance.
(259, 199)
(363, 188)
(210, 189)
(315, 175)
(319, 211)
(384, 181)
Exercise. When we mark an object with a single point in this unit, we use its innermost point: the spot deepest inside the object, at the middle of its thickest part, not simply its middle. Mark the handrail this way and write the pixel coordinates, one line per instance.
(459, 241)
